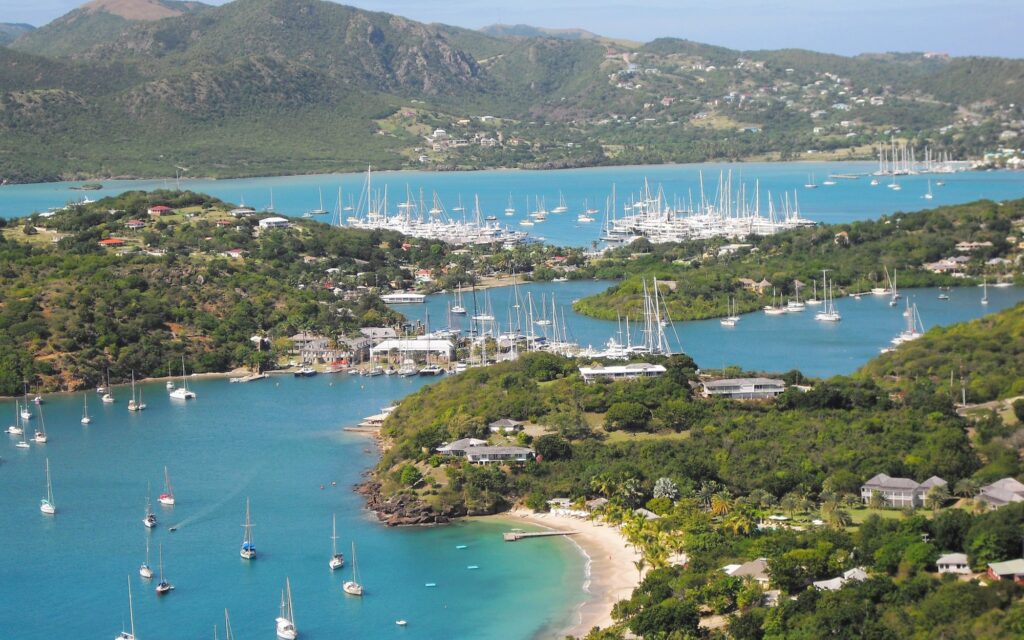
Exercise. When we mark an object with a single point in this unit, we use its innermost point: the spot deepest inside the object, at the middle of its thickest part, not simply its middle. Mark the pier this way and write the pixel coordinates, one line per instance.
(516, 535)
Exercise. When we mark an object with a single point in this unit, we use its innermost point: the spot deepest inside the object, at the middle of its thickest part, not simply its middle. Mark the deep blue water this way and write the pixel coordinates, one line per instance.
(846, 201)
(757, 342)
(275, 441)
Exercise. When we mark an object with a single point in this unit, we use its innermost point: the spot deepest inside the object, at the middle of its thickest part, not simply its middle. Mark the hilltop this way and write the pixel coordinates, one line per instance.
(9, 32)
(273, 86)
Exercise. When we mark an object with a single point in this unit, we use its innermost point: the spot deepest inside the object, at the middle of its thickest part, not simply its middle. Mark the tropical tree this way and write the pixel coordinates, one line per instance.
(966, 487)
(937, 496)
(721, 503)
(666, 488)
(877, 500)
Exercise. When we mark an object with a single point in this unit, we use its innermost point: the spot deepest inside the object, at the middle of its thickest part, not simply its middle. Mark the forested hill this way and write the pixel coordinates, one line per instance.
(196, 282)
(215, 89)
(701, 276)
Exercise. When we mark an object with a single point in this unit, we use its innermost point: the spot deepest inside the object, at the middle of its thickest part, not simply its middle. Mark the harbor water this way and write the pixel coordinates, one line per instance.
(846, 201)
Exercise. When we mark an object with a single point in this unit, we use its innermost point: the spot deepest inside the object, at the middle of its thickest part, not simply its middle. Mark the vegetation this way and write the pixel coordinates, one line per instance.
(113, 90)
(700, 277)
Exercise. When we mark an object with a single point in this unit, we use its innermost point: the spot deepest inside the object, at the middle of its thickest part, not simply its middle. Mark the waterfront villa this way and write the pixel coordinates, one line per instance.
(744, 388)
(622, 372)
(899, 492)
(403, 297)
(953, 563)
(396, 350)
(480, 452)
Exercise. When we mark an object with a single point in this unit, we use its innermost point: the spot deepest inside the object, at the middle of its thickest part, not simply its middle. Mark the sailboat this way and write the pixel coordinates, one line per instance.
(459, 308)
(544, 320)
(337, 559)
(15, 429)
(46, 505)
(984, 300)
(829, 313)
(135, 404)
(20, 428)
(317, 212)
(85, 409)
(41, 437)
(228, 635)
(107, 396)
(731, 319)
(163, 586)
(26, 413)
(814, 299)
(773, 309)
(561, 208)
(286, 620)
(149, 518)
(795, 305)
(144, 569)
(183, 392)
(352, 587)
(167, 497)
(128, 635)
(248, 550)
(510, 210)
(928, 196)
(810, 182)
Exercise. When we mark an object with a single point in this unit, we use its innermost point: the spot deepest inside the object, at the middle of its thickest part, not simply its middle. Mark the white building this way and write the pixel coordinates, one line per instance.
(419, 350)
(622, 372)
(953, 563)
(274, 222)
(403, 297)
(744, 388)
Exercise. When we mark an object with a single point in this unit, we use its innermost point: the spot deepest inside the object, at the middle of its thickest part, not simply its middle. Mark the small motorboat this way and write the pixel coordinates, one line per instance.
(401, 623)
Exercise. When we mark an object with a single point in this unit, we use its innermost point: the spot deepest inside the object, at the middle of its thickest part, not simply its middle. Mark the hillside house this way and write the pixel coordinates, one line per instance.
(899, 492)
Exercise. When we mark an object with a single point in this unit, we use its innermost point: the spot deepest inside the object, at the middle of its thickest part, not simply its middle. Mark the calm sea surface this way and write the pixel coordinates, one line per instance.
(292, 195)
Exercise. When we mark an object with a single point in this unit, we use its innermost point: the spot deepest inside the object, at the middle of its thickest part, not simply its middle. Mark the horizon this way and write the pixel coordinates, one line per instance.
(987, 28)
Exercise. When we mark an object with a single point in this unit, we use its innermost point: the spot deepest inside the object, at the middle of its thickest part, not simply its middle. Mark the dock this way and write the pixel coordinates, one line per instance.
(513, 536)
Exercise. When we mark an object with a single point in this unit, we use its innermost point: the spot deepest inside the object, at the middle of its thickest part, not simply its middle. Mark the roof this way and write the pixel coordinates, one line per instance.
(490, 450)
(1008, 567)
(109, 242)
(273, 220)
(378, 332)
(934, 481)
(1000, 497)
(440, 346)
(833, 584)
(462, 444)
(1006, 484)
(160, 207)
(505, 422)
(756, 569)
(732, 382)
(882, 480)
(952, 558)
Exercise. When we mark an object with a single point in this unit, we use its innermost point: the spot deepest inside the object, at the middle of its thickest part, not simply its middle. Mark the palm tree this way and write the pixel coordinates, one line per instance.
(640, 565)
(838, 519)
(741, 522)
(721, 503)
(937, 496)
(966, 488)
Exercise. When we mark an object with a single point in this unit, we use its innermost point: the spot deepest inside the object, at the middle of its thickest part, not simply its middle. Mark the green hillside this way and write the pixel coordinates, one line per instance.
(9, 32)
(351, 87)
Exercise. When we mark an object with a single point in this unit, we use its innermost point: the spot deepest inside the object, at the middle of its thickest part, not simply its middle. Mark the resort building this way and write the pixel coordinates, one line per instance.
(480, 452)
(397, 350)
(899, 492)
(744, 388)
(953, 563)
(403, 297)
(622, 372)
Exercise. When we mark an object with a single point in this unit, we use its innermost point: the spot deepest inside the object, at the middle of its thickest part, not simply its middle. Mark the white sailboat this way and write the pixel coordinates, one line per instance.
(228, 635)
(510, 210)
(317, 212)
(795, 305)
(149, 518)
(145, 570)
(353, 587)
(47, 505)
(108, 396)
(40, 436)
(183, 392)
(85, 409)
(167, 497)
(163, 586)
(928, 195)
(248, 549)
(286, 620)
(984, 300)
(561, 208)
(459, 308)
(15, 429)
(774, 309)
(135, 404)
(337, 559)
(170, 383)
(810, 182)
(829, 313)
(731, 319)
(895, 292)
(128, 635)
(20, 427)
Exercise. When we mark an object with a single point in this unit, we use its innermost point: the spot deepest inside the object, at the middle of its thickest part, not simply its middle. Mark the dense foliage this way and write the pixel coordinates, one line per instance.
(856, 255)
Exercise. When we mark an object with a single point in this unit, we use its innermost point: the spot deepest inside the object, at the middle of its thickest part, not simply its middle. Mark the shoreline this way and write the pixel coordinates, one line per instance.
(609, 576)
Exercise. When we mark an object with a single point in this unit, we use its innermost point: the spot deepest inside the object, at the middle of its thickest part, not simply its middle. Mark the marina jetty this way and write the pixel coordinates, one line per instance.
(516, 535)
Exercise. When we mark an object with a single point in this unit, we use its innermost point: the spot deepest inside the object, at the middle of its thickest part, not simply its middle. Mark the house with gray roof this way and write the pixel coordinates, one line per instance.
(744, 388)
(953, 563)
(756, 570)
(1001, 493)
(505, 425)
(489, 454)
(899, 492)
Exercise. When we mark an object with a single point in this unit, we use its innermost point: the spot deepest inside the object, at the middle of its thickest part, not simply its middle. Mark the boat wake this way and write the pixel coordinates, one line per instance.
(203, 514)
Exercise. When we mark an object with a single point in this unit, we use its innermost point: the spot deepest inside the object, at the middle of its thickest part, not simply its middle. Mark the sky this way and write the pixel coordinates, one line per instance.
(979, 27)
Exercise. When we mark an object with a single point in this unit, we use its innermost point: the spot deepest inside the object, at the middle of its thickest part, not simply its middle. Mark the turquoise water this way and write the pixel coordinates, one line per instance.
(275, 441)
(846, 201)
(757, 342)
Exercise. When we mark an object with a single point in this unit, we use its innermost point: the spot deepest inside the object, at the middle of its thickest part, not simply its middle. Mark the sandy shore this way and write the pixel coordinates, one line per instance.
(610, 574)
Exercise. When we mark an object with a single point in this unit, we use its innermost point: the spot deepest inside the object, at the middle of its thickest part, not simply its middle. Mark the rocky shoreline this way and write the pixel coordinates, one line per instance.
(403, 509)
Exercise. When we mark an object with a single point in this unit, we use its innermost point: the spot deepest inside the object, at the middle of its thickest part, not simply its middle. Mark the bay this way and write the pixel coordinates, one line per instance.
(275, 441)
(757, 343)
(846, 201)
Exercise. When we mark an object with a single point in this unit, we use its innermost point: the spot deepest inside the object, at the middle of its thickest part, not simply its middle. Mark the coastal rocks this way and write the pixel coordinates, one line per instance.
(403, 509)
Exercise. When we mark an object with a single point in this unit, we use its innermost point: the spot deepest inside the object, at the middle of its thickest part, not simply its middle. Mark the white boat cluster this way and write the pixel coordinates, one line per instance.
(729, 213)
(901, 160)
